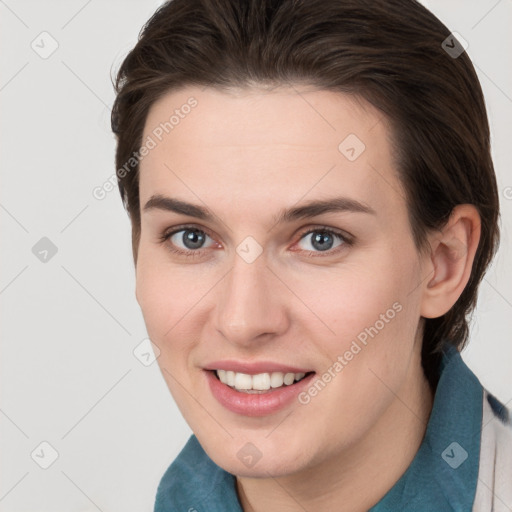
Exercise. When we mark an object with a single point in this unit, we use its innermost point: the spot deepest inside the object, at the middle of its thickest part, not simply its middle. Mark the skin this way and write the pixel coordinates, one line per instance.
(246, 155)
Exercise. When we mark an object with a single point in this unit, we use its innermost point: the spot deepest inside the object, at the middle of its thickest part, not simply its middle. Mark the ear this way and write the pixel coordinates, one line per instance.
(452, 251)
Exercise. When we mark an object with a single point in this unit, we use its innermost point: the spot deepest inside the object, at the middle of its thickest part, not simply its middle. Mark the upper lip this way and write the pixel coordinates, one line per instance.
(254, 368)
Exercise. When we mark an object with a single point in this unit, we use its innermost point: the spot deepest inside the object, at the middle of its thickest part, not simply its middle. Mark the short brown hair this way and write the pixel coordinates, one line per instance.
(388, 52)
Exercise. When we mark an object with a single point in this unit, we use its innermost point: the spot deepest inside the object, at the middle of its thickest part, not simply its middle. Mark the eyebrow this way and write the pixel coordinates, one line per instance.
(305, 211)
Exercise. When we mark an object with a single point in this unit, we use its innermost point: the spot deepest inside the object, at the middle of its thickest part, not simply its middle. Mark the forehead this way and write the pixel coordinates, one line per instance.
(279, 145)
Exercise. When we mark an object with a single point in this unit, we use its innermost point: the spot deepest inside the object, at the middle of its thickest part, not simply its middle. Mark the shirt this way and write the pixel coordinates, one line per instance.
(464, 463)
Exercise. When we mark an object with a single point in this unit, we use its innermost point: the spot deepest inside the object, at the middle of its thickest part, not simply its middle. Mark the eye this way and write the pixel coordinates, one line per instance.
(187, 241)
(323, 240)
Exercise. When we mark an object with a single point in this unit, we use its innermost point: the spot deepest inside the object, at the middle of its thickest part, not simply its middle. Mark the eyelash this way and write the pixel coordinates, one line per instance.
(347, 240)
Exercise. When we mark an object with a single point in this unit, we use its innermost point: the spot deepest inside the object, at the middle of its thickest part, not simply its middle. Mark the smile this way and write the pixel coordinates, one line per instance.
(259, 383)
(259, 394)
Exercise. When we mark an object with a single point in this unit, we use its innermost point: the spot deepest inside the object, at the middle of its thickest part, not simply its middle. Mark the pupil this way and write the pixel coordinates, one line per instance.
(193, 239)
(322, 241)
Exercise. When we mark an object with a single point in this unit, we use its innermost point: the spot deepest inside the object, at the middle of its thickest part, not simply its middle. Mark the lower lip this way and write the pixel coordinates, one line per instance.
(255, 404)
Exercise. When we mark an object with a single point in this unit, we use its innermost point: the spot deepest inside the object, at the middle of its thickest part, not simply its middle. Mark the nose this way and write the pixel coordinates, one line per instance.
(251, 306)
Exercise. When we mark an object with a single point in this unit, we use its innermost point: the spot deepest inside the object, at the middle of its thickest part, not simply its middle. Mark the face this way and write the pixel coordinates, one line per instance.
(240, 270)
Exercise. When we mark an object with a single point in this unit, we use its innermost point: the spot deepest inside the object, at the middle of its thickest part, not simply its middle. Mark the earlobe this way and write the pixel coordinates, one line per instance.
(453, 250)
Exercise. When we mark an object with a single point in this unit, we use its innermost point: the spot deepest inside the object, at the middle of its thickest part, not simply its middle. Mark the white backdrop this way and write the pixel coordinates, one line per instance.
(70, 321)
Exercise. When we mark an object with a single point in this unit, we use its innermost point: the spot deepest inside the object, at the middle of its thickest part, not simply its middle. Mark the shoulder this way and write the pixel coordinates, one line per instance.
(494, 489)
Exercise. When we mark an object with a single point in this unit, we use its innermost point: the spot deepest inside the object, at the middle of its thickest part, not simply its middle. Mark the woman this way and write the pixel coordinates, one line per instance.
(313, 206)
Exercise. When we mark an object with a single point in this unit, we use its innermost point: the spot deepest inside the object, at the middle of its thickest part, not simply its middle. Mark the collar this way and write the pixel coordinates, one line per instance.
(444, 472)
(442, 476)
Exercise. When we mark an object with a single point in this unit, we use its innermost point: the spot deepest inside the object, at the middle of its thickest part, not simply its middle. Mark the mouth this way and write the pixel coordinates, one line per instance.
(257, 394)
(259, 383)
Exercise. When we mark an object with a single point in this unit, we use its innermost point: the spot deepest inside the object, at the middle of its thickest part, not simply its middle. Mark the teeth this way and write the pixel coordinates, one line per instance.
(289, 378)
(259, 382)
(276, 380)
(243, 381)
(230, 379)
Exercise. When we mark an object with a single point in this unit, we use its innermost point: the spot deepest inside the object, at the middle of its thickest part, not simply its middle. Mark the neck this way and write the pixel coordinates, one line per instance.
(359, 476)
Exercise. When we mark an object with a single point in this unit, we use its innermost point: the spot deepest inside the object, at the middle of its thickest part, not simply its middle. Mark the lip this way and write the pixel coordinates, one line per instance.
(254, 368)
(256, 404)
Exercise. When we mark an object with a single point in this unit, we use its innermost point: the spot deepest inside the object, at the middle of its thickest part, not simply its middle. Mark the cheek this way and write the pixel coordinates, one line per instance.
(164, 301)
(344, 303)
(164, 293)
(374, 318)
(369, 318)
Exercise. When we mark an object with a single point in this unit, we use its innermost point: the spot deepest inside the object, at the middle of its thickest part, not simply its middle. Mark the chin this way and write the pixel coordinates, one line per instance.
(263, 469)
(252, 462)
